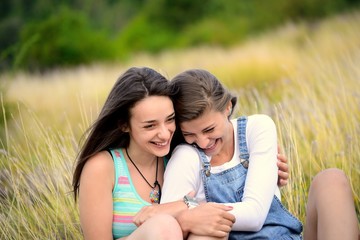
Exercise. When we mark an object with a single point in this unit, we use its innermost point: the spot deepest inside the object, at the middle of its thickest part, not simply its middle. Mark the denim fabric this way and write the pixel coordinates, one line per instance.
(227, 186)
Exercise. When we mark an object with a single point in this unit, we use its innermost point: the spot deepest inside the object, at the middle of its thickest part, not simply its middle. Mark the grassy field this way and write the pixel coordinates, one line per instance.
(305, 76)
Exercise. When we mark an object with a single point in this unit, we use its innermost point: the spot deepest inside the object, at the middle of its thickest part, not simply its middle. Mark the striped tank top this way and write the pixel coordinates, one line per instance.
(126, 201)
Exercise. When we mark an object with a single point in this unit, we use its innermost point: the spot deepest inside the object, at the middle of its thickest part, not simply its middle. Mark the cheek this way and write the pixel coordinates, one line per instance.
(142, 136)
(173, 127)
(189, 140)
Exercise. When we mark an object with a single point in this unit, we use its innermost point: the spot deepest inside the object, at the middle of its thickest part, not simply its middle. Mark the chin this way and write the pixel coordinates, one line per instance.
(162, 152)
(215, 150)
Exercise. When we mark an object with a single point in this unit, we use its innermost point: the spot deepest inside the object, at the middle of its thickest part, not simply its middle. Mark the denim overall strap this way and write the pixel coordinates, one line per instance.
(241, 134)
(228, 185)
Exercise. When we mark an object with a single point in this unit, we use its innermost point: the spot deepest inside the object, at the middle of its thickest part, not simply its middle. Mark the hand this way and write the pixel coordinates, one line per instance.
(207, 219)
(283, 169)
(147, 212)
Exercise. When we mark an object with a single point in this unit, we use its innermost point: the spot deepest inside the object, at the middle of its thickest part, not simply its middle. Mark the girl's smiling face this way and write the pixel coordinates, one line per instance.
(152, 125)
(211, 131)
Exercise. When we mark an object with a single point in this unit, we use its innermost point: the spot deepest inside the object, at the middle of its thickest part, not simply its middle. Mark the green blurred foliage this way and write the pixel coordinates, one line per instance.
(64, 39)
(41, 34)
(142, 35)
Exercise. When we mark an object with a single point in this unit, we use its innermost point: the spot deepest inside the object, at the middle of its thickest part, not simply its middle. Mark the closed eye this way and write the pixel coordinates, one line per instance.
(209, 130)
(188, 134)
(149, 126)
(171, 119)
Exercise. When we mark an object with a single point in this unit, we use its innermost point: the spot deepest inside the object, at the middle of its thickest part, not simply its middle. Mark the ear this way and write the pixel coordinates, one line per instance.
(229, 109)
(124, 127)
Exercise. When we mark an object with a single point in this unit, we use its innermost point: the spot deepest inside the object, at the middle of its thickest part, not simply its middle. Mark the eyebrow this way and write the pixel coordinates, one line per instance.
(152, 121)
(203, 130)
(171, 115)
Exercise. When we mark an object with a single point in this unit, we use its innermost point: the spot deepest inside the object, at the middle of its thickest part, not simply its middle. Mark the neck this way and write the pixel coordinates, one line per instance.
(141, 158)
(227, 151)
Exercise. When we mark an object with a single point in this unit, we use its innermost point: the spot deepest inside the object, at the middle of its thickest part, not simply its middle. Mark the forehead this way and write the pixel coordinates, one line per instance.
(208, 118)
(152, 108)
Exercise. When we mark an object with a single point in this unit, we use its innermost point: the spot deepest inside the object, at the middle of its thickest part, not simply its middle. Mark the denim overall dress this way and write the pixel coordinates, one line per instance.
(227, 186)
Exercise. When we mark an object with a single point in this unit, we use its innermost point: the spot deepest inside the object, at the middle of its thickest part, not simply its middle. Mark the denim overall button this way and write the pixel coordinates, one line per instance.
(244, 162)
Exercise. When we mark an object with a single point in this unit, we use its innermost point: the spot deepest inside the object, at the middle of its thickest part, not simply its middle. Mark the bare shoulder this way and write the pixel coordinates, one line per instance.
(101, 161)
(99, 167)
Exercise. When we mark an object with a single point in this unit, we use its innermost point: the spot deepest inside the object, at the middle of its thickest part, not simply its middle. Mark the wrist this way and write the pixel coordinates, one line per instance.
(190, 202)
(183, 219)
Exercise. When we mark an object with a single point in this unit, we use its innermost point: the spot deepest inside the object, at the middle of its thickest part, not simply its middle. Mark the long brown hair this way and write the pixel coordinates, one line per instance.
(106, 132)
(194, 91)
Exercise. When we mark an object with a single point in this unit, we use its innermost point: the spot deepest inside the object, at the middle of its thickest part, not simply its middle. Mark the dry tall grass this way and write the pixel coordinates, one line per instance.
(305, 77)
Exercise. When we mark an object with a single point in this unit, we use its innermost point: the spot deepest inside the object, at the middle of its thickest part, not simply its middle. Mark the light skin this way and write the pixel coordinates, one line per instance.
(95, 199)
(198, 132)
(207, 131)
(330, 208)
(283, 171)
(212, 132)
(330, 212)
(151, 128)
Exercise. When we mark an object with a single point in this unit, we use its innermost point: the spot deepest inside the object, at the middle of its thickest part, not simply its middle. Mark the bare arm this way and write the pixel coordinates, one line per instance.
(171, 208)
(95, 197)
(208, 219)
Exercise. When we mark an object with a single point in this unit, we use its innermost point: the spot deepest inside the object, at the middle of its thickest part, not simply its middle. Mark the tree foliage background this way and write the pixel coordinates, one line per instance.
(40, 35)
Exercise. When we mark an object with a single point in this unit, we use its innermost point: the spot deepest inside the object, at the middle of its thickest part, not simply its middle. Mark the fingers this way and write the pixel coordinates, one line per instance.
(226, 216)
(283, 170)
(222, 233)
(144, 214)
(282, 158)
(220, 206)
(137, 221)
(283, 174)
(225, 226)
(282, 182)
(230, 217)
(283, 166)
(212, 219)
(222, 226)
(283, 178)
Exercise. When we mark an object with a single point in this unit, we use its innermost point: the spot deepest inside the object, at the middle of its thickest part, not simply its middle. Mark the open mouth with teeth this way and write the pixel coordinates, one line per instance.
(161, 144)
(212, 146)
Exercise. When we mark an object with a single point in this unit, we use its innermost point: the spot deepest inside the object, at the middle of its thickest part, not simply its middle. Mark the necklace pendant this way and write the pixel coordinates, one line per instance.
(154, 196)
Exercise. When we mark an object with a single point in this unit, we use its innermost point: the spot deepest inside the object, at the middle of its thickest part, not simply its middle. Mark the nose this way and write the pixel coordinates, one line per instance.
(202, 141)
(164, 131)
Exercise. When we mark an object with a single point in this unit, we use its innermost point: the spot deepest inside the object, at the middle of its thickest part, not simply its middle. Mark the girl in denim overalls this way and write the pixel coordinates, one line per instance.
(227, 186)
(237, 176)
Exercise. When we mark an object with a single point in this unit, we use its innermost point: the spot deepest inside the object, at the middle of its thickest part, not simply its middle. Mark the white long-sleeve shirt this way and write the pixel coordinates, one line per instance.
(182, 174)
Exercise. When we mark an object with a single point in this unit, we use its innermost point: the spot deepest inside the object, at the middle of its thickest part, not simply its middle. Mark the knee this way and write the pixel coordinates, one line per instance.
(166, 227)
(330, 177)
